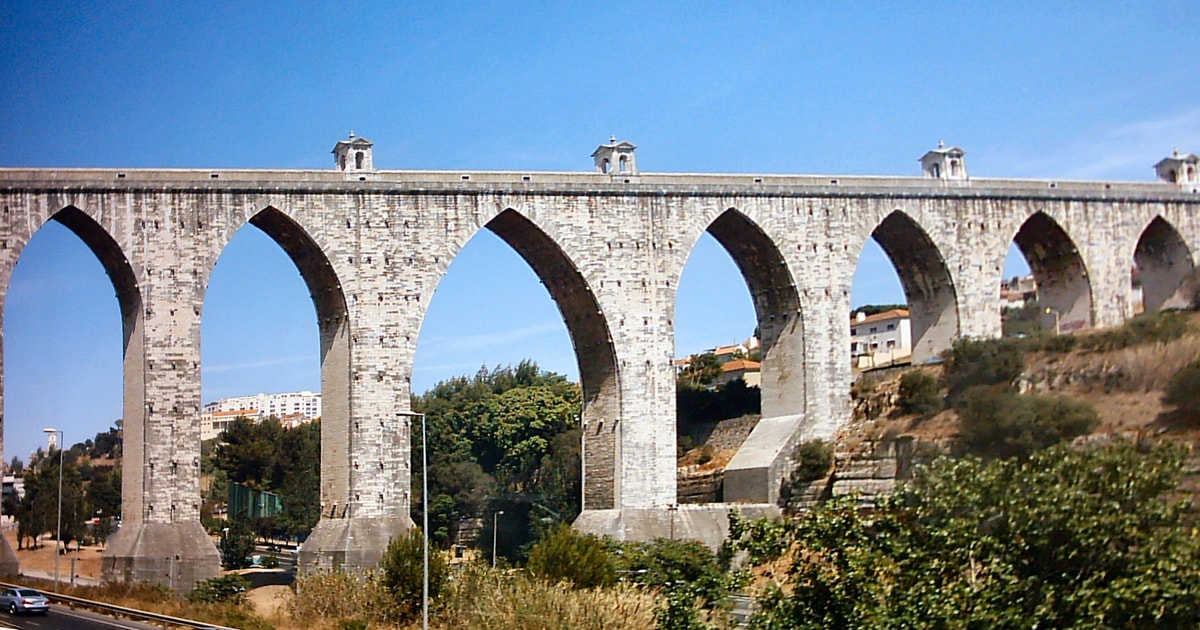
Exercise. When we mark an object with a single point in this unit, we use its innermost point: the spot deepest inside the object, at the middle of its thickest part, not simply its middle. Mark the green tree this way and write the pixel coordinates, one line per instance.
(104, 494)
(1067, 538)
(1183, 391)
(974, 362)
(997, 423)
(919, 394)
(38, 510)
(249, 454)
(299, 481)
(565, 555)
(494, 444)
(402, 573)
(236, 544)
(701, 370)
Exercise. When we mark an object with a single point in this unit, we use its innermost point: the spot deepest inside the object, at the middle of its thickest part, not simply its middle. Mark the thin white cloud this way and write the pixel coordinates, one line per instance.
(440, 345)
(1127, 152)
(234, 367)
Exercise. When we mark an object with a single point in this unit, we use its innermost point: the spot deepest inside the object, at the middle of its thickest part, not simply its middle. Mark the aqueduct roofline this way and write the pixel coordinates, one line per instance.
(700, 184)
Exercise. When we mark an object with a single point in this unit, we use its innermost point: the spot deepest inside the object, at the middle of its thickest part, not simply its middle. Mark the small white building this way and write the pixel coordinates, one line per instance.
(880, 339)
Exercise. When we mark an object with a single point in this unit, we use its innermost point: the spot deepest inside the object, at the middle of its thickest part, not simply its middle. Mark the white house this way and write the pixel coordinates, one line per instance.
(880, 339)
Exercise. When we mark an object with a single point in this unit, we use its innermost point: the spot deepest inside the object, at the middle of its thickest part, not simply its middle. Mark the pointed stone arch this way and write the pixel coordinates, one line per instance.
(1064, 289)
(591, 339)
(927, 282)
(1165, 267)
(127, 288)
(776, 307)
(333, 326)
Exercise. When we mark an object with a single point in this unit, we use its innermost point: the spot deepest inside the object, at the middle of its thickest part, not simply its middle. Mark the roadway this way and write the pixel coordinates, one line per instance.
(63, 618)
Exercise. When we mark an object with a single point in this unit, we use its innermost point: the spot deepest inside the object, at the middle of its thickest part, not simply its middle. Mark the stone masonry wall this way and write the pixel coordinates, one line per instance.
(611, 251)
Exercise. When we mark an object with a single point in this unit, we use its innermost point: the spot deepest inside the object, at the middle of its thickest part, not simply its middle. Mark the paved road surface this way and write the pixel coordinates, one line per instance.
(62, 618)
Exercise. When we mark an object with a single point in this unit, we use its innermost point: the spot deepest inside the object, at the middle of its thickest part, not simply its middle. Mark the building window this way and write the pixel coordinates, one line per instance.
(891, 327)
(874, 329)
(853, 332)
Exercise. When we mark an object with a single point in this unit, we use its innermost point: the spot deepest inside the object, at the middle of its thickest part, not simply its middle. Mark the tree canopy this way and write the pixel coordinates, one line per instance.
(503, 439)
(1067, 538)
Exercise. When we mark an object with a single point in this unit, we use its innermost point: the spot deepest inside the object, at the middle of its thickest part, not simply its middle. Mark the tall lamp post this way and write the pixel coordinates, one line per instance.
(424, 518)
(57, 528)
(495, 523)
(1057, 316)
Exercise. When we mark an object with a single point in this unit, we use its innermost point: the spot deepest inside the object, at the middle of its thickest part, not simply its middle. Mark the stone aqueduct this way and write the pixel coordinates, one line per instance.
(609, 246)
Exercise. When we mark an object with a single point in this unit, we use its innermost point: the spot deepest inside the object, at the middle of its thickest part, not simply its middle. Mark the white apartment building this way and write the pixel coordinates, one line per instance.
(290, 407)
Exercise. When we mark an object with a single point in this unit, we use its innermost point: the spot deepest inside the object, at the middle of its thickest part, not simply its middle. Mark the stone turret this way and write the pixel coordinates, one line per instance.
(353, 155)
(944, 163)
(1182, 169)
(615, 158)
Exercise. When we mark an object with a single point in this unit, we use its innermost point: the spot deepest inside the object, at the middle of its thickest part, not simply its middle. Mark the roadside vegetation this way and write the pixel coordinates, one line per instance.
(1019, 519)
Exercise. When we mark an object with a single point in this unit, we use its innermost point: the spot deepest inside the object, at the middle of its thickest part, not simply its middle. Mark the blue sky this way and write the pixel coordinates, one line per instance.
(1097, 90)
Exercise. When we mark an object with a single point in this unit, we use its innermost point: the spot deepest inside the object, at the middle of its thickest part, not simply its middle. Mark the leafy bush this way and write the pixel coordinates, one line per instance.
(919, 394)
(228, 588)
(402, 574)
(1183, 391)
(814, 459)
(1069, 538)
(236, 544)
(994, 423)
(566, 555)
(335, 595)
(1159, 327)
(696, 405)
(974, 362)
(685, 571)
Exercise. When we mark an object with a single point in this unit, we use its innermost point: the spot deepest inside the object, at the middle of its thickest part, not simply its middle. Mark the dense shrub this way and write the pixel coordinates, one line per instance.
(696, 404)
(919, 394)
(1183, 391)
(814, 459)
(1147, 328)
(994, 423)
(566, 555)
(228, 588)
(686, 572)
(236, 544)
(973, 362)
(1066, 539)
(402, 574)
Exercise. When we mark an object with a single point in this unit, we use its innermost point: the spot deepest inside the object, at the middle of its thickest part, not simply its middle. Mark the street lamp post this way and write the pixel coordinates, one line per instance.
(495, 524)
(1057, 326)
(58, 527)
(424, 518)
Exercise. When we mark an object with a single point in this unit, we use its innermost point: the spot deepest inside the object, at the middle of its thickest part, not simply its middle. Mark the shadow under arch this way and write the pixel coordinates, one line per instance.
(593, 345)
(928, 286)
(1165, 267)
(776, 307)
(334, 329)
(1064, 291)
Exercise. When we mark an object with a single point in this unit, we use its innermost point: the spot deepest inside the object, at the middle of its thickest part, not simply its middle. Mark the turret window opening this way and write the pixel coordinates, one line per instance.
(623, 163)
(358, 161)
(605, 166)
